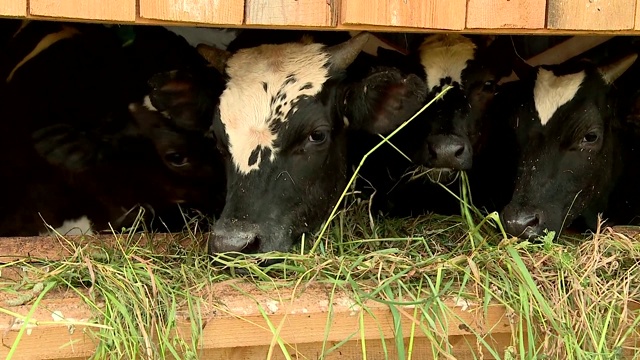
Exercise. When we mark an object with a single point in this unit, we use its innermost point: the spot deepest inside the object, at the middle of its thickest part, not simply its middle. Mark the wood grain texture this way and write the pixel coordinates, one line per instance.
(506, 14)
(290, 12)
(223, 12)
(13, 7)
(303, 319)
(591, 14)
(432, 14)
(114, 10)
(637, 20)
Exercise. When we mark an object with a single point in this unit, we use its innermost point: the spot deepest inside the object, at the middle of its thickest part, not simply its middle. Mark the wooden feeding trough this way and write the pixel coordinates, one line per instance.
(302, 321)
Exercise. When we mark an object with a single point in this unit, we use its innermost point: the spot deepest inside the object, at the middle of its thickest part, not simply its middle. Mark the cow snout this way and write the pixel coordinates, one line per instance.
(451, 152)
(523, 223)
(237, 238)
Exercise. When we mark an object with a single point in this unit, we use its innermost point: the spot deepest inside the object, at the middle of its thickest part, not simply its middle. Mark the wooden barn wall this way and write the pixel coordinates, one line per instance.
(538, 15)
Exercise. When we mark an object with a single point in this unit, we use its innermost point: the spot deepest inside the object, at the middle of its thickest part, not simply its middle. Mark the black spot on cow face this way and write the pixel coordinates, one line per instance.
(563, 122)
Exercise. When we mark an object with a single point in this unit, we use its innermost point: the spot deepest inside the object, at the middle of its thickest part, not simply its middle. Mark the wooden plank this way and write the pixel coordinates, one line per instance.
(13, 8)
(433, 14)
(562, 52)
(303, 318)
(290, 12)
(591, 14)
(510, 14)
(222, 12)
(51, 248)
(113, 10)
(637, 20)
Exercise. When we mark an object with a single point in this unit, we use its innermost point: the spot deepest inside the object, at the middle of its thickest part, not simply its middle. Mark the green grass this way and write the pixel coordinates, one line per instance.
(566, 299)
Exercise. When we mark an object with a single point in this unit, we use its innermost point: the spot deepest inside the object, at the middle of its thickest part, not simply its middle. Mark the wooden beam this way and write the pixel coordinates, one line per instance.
(13, 8)
(52, 248)
(433, 14)
(591, 14)
(500, 14)
(219, 12)
(112, 10)
(562, 52)
(349, 27)
(290, 12)
(58, 328)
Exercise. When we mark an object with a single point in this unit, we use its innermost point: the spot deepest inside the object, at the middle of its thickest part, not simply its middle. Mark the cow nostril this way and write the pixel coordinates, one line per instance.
(533, 222)
(253, 246)
(459, 152)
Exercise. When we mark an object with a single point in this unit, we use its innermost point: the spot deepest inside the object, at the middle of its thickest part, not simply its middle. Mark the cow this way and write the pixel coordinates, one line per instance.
(569, 144)
(282, 124)
(92, 141)
(449, 136)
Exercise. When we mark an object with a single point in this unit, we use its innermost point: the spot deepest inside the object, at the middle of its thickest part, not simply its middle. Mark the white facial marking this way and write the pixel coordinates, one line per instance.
(46, 41)
(147, 103)
(551, 91)
(80, 226)
(264, 86)
(445, 56)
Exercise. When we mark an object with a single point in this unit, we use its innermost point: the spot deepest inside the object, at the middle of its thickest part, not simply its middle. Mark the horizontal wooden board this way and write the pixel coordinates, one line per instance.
(290, 12)
(506, 14)
(303, 318)
(222, 12)
(113, 10)
(637, 21)
(13, 7)
(591, 14)
(436, 14)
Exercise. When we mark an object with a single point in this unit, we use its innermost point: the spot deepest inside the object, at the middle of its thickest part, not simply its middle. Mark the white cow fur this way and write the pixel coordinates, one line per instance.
(445, 55)
(80, 226)
(551, 91)
(245, 107)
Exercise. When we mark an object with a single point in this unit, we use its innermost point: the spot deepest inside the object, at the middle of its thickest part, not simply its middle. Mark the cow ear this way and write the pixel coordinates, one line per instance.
(178, 97)
(65, 147)
(384, 100)
(217, 58)
(612, 71)
(342, 55)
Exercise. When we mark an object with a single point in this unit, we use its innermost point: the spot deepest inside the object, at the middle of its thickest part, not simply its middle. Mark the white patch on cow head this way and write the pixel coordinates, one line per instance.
(80, 226)
(147, 103)
(264, 86)
(551, 91)
(44, 44)
(445, 56)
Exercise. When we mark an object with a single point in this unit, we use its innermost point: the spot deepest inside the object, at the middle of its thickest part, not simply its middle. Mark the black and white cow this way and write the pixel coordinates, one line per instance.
(82, 138)
(282, 123)
(570, 147)
(451, 134)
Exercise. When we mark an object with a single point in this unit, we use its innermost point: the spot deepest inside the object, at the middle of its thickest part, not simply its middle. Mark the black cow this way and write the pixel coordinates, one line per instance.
(570, 146)
(450, 135)
(90, 139)
(282, 124)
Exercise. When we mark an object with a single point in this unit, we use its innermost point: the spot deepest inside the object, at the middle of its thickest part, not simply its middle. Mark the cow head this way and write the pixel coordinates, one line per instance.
(447, 135)
(565, 127)
(281, 125)
(155, 153)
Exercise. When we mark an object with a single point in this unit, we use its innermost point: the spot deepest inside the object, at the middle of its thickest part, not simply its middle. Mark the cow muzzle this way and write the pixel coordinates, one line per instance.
(235, 236)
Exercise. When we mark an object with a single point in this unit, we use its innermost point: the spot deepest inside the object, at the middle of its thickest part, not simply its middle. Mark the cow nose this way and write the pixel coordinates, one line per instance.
(449, 152)
(234, 238)
(522, 223)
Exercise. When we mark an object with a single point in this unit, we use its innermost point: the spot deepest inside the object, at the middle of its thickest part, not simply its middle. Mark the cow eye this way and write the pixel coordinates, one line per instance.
(489, 85)
(590, 138)
(318, 136)
(176, 159)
